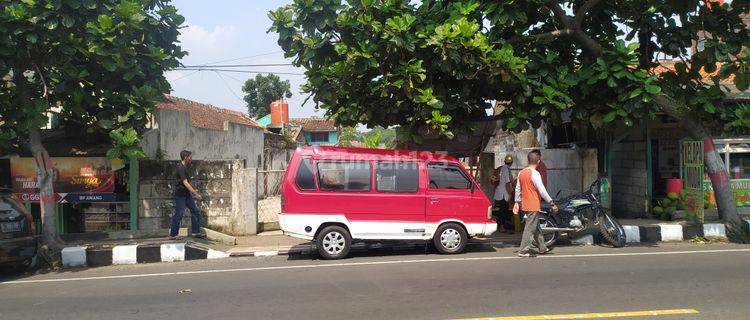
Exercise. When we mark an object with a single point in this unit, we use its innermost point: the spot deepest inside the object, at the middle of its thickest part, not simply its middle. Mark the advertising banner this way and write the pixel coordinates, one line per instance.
(740, 187)
(85, 179)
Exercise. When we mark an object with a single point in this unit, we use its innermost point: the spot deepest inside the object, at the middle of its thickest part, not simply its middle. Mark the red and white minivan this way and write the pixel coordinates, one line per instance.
(333, 195)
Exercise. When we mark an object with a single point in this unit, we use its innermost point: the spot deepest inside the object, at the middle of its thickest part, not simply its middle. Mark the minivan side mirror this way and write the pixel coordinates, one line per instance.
(473, 188)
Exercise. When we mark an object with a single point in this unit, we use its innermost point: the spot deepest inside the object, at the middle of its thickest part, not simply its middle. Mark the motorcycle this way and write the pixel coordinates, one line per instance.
(581, 215)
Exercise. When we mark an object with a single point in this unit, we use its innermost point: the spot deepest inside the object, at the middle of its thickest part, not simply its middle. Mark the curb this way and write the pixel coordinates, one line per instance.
(76, 257)
(675, 232)
(79, 256)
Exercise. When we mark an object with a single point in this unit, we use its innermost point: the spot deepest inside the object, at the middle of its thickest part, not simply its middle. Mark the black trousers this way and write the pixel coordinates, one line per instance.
(503, 214)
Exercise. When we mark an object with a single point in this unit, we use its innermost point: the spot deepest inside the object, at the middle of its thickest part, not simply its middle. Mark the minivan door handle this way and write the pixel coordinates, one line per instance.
(433, 199)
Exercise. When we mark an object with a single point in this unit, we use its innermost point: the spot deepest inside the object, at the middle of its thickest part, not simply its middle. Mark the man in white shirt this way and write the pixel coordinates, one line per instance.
(502, 178)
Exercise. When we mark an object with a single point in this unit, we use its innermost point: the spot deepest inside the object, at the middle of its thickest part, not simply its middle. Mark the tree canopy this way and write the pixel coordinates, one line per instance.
(437, 63)
(95, 65)
(261, 91)
(98, 64)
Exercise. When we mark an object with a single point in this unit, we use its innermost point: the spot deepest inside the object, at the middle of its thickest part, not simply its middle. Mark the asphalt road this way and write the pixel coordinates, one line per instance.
(711, 281)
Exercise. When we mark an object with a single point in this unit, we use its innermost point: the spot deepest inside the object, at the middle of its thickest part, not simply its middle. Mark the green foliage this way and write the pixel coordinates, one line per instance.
(101, 63)
(372, 141)
(261, 91)
(378, 137)
(435, 64)
(387, 63)
(125, 144)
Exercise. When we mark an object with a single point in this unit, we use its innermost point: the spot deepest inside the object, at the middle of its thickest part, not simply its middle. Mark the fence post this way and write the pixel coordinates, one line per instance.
(133, 186)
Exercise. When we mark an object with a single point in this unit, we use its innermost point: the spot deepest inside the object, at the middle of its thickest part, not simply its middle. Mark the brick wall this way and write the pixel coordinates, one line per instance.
(629, 180)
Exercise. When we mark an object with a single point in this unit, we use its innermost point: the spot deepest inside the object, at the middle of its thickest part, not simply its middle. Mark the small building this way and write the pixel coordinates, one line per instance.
(317, 131)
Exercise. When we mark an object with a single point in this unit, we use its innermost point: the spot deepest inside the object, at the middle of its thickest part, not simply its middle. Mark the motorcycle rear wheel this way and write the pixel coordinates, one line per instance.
(611, 230)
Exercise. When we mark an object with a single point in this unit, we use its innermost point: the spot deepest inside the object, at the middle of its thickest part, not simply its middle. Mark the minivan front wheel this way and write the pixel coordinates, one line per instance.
(450, 238)
(334, 242)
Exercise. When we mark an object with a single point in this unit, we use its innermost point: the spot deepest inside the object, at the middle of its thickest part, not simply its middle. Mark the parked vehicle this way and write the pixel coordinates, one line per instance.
(335, 196)
(18, 242)
(581, 215)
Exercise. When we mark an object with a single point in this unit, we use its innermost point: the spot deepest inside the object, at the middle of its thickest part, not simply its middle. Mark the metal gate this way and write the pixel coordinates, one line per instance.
(692, 159)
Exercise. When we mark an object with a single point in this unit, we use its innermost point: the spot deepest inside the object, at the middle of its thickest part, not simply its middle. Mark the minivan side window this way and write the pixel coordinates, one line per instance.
(305, 178)
(446, 176)
(344, 176)
(397, 176)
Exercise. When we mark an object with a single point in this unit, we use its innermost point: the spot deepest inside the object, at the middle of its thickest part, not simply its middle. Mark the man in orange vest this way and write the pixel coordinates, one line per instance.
(530, 191)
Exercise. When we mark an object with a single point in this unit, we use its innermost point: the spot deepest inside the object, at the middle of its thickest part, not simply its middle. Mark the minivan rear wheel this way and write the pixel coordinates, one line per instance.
(450, 238)
(334, 242)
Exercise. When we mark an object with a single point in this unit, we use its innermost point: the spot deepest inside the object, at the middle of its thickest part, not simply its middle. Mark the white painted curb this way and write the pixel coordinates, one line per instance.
(215, 254)
(266, 253)
(172, 252)
(714, 230)
(125, 254)
(632, 234)
(74, 257)
(671, 232)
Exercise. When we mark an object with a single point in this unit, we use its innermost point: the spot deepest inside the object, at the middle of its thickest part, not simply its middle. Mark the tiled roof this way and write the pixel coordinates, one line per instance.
(727, 84)
(706, 77)
(314, 124)
(205, 115)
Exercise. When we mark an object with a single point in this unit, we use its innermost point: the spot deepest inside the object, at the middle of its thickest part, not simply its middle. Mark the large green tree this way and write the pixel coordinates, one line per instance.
(97, 64)
(432, 65)
(261, 91)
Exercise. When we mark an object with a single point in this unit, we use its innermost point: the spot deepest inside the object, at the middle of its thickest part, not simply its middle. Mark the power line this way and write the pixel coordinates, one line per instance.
(235, 79)
(246, 57)
(240, 65)
(245, 71)
(228, 87)
(185, 76)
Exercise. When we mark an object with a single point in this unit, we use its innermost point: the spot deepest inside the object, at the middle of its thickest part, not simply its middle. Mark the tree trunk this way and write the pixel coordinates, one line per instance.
(44, 169)
(736, 231)
(722, 189)
(44, 176)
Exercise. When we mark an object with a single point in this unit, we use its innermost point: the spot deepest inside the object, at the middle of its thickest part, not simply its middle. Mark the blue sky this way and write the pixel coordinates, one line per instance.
(233, 32)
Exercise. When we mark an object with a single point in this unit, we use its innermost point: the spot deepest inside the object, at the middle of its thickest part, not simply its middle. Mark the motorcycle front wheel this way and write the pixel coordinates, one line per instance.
(611, 230)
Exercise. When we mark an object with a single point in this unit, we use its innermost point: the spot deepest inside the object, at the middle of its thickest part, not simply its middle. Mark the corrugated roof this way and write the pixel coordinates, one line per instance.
(204, 115)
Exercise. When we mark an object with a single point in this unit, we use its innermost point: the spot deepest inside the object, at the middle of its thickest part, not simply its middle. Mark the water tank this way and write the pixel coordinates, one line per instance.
(279, 113)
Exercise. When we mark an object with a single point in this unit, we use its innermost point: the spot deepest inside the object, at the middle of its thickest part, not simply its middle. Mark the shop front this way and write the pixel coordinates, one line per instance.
(736, 155)
(91, 193)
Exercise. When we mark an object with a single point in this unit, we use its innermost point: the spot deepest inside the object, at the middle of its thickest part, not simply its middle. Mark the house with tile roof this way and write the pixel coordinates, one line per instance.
(316, 131)
(209, 131)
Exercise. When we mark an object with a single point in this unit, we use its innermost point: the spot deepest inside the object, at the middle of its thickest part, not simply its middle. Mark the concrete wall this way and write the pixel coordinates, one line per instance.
(629, 180)
(276, 155)
(174, 134)
(569, 171)
(229, 199)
